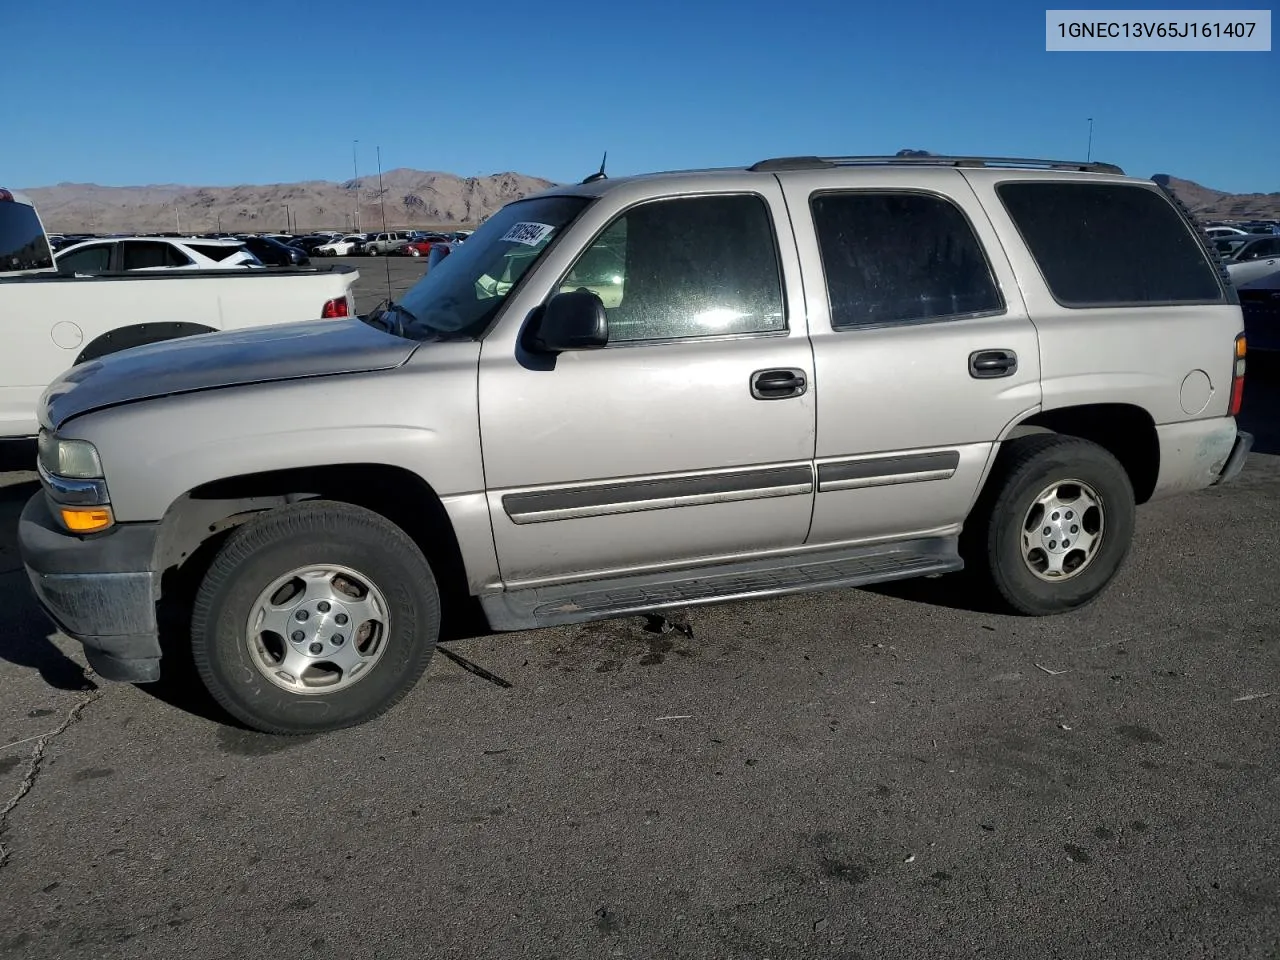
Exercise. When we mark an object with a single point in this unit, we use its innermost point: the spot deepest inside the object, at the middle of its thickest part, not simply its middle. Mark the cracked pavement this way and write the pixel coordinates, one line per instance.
(870, 773)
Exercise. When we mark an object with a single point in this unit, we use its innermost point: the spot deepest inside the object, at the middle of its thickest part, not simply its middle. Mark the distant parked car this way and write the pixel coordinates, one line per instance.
(351, 244)
(421, 246)
(274, 253)
(311, 243)
(380, 244)
(117, 255)
(1254, 257)
(1220, 230)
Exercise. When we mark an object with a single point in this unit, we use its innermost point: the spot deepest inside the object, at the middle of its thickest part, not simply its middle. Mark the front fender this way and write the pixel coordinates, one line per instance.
(421, 418)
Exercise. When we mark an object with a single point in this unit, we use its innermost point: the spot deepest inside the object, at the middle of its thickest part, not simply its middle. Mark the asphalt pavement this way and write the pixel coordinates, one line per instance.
(865, 774)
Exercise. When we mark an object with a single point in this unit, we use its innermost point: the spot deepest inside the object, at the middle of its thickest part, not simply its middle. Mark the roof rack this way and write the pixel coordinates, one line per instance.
(822, 163)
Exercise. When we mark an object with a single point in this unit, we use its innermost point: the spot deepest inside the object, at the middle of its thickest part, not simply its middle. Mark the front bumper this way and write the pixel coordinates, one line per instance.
(98, 590)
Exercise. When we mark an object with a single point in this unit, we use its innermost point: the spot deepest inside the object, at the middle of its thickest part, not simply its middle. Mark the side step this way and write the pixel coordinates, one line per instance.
(797, 573)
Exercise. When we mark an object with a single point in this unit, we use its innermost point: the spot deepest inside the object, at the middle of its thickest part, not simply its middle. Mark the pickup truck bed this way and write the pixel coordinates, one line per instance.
(51, 321)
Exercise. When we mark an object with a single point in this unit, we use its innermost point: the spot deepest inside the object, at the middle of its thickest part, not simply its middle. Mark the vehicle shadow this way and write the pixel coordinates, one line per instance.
(954, 591)
(25, 641)
(17, 455)
(1260, 414)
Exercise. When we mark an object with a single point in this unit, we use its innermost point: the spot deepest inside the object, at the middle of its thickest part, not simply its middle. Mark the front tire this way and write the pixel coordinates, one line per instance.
(314, 617)
(1054, 525)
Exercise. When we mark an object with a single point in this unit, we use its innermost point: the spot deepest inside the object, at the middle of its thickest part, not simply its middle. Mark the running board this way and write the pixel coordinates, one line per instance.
(580, 602)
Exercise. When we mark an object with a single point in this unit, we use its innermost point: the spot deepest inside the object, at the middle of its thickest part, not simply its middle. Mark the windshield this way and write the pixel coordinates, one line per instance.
(462, 293)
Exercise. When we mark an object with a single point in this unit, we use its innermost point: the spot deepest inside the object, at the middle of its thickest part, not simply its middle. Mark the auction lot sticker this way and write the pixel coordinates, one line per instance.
(1155, 30)
(530, 234)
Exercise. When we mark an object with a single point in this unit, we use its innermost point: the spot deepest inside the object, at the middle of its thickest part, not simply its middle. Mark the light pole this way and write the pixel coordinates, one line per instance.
(288, 224)
(355, 188)
(1089, 153)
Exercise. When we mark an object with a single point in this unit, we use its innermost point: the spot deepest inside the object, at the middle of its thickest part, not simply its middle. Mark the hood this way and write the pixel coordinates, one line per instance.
(309, 348)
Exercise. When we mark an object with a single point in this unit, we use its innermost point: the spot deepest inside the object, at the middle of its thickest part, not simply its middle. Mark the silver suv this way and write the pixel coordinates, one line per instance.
(629, 395)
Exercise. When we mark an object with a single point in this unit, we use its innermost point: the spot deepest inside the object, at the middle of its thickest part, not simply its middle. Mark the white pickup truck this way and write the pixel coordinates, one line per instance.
(51, 321)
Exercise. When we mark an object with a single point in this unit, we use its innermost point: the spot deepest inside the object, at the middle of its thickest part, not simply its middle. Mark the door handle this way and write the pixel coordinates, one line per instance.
(778, 384)
(989, 364)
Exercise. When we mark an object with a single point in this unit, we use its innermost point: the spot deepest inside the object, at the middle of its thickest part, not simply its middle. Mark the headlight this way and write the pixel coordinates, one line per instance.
(76, 459)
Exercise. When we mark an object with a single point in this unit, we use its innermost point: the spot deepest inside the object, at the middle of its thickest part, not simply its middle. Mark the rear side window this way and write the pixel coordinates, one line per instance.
(22, 243)
(1110, 244)
(142, 254)
(900, 258)
(95, 258)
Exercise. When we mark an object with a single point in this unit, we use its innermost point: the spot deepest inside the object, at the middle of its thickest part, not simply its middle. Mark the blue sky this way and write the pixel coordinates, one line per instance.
(264, 91)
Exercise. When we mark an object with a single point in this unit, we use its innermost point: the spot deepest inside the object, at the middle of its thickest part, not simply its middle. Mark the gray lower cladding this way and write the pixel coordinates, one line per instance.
(876, 471)
(97, 590)
(830, 569)
(99, 606)
(634, 495)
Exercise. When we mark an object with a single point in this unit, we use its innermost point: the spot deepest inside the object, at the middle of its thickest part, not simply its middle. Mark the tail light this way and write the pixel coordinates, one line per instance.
(5, 194)
(335, 308)
(1237, 378)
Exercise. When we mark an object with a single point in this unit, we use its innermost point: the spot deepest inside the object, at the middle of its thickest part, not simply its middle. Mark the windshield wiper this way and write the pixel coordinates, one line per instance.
(391, 317)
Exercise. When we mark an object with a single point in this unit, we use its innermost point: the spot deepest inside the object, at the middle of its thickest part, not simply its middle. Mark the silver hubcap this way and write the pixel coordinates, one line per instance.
(318, 629)
(1063, 530)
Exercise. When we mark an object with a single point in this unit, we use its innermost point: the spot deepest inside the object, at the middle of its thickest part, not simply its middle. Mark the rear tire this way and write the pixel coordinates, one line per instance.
(280, 681)
(1044, 492)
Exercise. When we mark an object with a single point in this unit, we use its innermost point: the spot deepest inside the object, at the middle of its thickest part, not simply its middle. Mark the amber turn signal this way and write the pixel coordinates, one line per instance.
(86, 519)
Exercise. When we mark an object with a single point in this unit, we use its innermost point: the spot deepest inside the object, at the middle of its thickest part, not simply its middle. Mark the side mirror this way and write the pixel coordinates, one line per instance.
(571, 321)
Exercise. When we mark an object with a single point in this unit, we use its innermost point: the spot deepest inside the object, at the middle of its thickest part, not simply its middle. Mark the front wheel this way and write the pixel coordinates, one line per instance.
(314, 617)
(1054, 526)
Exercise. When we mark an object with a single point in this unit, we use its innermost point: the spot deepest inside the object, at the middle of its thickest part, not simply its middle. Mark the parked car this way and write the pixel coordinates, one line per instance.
(1254, 257)
(817, 374)
(421, 246)
(350, 245)
(381, 244)
(125, 254)
(1225, 231)
(52, 321)
(274, 253)
(310, 244)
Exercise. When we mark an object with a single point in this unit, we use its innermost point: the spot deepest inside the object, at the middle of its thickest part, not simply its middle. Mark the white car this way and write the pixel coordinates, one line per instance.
(1257, 257)
(1224, 231)
(343, 247)
(122, 254)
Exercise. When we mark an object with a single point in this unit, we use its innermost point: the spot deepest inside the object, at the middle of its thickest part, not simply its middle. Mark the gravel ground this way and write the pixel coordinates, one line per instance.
(863, 774)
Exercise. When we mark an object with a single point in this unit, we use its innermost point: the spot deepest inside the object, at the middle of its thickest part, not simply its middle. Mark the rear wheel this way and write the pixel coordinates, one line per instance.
(1054, 525)
(314, 617)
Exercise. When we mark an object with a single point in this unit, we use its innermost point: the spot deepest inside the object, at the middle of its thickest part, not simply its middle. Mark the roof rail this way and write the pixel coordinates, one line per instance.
(822, 163)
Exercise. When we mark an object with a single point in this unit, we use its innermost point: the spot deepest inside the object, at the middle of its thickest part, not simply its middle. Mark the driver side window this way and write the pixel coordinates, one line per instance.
(686, 267)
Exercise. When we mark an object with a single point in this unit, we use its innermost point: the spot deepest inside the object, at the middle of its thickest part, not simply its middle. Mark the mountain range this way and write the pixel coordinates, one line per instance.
(412, 199)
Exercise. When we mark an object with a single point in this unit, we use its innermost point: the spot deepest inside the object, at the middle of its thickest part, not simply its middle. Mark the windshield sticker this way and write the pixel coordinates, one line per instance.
(530, 234)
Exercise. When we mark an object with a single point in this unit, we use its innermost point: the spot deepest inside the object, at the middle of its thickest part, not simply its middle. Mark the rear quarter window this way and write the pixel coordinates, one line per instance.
(1110, 244)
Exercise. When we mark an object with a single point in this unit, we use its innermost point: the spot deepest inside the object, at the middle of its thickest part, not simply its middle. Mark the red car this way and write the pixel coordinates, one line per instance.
(421, 248)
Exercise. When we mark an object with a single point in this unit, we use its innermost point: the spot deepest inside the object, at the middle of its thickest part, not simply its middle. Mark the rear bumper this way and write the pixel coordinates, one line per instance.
(1196, 454)
(1235, 462)
(97, 590)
